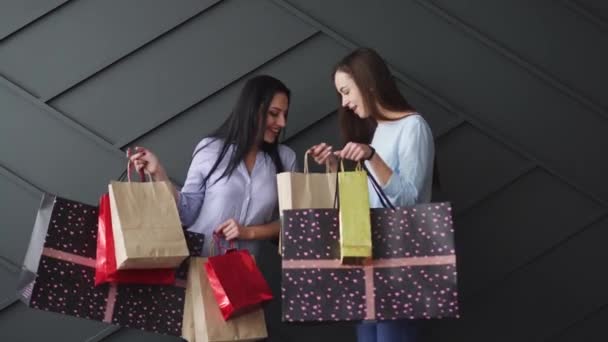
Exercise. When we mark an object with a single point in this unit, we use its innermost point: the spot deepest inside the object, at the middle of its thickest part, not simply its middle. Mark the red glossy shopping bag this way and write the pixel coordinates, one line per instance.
(105, 264)
(237, 283)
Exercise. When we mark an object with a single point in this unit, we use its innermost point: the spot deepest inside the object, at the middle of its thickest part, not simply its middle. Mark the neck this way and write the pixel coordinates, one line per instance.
(253, 151)
(393, 115)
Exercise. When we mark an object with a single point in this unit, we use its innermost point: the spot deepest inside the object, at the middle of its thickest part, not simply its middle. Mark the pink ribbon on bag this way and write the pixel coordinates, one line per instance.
(90, 262)
(368, 268)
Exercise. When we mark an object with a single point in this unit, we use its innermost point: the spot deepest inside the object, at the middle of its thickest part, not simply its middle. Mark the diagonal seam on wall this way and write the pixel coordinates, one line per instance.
(513, 57)
(123, 143)
(441, 101)
(32, 21)
(165, 33)
(599, 309)
(585, 12)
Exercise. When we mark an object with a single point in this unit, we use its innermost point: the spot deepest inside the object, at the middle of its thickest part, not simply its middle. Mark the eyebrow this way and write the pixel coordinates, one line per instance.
(277, 108)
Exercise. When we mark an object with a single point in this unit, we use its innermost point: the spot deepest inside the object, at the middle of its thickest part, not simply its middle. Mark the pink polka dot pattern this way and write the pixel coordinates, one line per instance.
(157, 309)
(338, 294)
(69, 289)
(73, 228)
(195, 244)
(422, 230)
(323, 295)
(416, 292)
(311, 234)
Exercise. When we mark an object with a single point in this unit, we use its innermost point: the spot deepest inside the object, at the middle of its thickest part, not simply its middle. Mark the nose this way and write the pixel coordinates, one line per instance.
(344, 101)
(281, 121)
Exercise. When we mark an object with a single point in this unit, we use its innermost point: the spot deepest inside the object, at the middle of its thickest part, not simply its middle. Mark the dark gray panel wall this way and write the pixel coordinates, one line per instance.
(514, 92)
(84, 37)
(19, 13)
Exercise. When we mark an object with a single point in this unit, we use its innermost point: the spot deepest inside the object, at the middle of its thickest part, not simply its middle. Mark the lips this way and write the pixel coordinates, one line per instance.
(274, 131)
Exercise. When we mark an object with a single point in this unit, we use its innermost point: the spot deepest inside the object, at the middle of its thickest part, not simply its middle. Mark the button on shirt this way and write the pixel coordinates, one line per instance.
(251, 199)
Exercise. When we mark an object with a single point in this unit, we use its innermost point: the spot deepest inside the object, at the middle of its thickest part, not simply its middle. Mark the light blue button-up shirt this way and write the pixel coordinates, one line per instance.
(250, 199)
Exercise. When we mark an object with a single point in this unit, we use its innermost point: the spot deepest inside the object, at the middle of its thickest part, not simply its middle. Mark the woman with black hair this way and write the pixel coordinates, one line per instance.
(231, 186)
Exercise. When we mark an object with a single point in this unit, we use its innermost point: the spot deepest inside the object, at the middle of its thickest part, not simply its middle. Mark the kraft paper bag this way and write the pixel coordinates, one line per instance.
(305, 190)
(147, 228)
(208, 323)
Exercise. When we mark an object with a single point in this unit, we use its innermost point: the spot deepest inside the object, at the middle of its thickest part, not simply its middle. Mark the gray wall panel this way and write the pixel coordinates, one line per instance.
(181, 69)
(575, 53)
(597, 7)
(51, 154)
(18, 13)
(18, 213)
(8, 284)
(532, 304)
(494, 241)
(591, 329)
(133, 335)
(474, 165)
(439, 118)
(84, 37)
(20, 323)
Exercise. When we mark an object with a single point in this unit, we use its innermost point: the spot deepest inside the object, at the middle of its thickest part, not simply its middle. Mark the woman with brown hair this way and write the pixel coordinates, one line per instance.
(382, 129)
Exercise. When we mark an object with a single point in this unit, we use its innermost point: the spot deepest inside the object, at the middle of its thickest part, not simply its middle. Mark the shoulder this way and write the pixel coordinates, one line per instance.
(414, 126)
(207, 148)
(286, 153)
(413, 121)
(208, 144)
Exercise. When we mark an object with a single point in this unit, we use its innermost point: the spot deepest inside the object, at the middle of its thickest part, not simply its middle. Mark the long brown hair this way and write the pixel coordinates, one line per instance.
(378, 89)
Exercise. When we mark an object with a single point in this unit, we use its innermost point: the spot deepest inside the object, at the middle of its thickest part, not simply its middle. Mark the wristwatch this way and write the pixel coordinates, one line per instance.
(371, 155)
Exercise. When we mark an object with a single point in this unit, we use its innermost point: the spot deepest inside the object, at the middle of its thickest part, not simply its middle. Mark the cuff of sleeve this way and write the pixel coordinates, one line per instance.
(182, 207)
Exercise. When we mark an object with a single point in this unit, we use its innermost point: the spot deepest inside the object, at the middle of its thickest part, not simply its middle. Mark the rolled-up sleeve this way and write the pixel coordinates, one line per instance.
(192, 194)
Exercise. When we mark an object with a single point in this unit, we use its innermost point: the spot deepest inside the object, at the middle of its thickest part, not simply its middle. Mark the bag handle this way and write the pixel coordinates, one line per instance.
(306, 157)
(386, 202)
(358, 167)
(220, 249)
(143, 175)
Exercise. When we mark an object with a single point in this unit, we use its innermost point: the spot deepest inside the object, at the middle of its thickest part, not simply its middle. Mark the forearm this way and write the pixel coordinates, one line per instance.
(262, 232)
(382, 171)
(161, 176)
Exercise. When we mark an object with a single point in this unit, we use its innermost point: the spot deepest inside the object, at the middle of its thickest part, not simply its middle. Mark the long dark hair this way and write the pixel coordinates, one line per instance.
(245, 126)
(377, 86)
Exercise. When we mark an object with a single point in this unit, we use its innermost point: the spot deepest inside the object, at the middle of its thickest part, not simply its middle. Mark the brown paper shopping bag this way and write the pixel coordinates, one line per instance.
(188, 320)
(305, 190)
(147, 228)
(208, 325)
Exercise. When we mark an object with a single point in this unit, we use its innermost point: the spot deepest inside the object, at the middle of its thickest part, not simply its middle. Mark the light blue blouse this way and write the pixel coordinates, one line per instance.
(406, 146)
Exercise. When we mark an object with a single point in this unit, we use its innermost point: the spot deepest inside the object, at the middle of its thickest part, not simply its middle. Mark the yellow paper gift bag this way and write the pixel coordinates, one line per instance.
(355, 224)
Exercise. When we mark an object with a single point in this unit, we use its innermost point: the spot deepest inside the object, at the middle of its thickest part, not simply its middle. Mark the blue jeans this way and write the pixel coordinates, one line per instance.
(386, 331)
